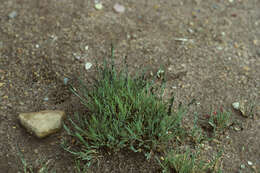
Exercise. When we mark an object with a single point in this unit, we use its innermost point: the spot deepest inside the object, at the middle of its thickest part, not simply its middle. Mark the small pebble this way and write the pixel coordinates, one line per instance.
(236, 45)
(235, 105)
(190, 30)
(170, 68)
(12, 15)
(250, 163)
(88, 66)
(234, 15)
(53, 37)
(214, 6)
(237, 129)
(76, 56)
(256, 42)
(98, 6)
(36, 151)
(231, 1)
(119, 8)
(37, 46)
(46, 99)
(86, 47)
(242, 166)
(246, 68)
(220, 48)
(65, 81)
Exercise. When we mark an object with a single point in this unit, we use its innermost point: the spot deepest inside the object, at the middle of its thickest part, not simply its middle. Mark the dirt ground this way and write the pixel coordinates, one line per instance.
(217, 63)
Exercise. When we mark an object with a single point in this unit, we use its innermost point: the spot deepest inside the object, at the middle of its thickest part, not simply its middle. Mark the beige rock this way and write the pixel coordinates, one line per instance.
(42, 123)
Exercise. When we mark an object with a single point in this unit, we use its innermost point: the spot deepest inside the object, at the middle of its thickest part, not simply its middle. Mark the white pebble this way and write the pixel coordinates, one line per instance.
(220, 48)
(53, 37)
(76, 56)
(190, 30)
(235, 105)
(65, 81)
(119, 8)
(12, 15)
(250, 163)
(88, 65)
(98, 6)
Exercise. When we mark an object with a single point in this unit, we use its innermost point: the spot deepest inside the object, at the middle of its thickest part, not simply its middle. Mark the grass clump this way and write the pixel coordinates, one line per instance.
(39, 166)
(196, 134)
(220, 120)
(124, 112)
(188, 162)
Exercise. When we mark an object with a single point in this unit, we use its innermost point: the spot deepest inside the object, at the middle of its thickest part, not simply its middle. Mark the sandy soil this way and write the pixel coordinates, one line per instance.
(217, 63)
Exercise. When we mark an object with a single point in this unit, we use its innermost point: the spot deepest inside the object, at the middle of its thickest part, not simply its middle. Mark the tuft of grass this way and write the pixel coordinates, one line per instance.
(81, 167)
(196, 133)
(188, 162)
(220, 120)
(27, 168)
(123, 112)
(41, 165)
(248, 109)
